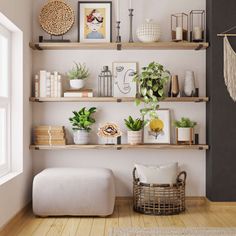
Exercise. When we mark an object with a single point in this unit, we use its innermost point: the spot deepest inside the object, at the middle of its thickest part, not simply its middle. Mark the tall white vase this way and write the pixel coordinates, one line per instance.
(189, 84)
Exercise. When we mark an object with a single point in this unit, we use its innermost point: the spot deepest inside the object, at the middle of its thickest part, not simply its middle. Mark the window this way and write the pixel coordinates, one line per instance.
(5, 99)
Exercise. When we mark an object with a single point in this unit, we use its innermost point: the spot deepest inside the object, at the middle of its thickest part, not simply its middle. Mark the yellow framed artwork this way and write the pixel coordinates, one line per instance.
(95, 22)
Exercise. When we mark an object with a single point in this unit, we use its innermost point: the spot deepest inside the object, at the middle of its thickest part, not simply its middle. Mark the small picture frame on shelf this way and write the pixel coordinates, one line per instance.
(157, 130)
(95, 21)
(123, 74)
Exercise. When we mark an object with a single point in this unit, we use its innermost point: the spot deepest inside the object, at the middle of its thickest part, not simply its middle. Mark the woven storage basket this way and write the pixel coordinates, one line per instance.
(153, 199)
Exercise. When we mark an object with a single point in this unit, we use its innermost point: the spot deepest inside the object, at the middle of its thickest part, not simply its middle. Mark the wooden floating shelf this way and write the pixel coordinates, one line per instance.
(123, 146)
(119, 100)
(120, 46)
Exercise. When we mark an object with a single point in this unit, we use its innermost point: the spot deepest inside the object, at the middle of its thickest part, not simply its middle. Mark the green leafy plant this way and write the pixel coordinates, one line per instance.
(134, 124)
(184, 123)
(82, 119)
(78, 72)
(152, 81)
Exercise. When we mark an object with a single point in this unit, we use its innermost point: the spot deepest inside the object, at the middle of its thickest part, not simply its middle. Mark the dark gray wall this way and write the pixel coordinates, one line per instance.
(221, 110)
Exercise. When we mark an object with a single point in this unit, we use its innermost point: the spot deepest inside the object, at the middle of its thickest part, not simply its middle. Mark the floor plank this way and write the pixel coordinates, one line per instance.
(124, 216)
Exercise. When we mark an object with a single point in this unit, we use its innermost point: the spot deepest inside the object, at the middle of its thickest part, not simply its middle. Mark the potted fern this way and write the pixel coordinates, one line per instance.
(184, 130)
(135, 127)
(81, 124)
(77, 75)
(152, 82)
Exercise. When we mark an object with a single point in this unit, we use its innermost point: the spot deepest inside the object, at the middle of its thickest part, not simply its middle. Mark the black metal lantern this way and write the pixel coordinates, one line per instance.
(197, 26)
(105, 83)
(179, 27)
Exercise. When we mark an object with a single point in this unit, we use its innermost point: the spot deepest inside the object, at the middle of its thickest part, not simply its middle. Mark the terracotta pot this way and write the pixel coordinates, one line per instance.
(135, 137)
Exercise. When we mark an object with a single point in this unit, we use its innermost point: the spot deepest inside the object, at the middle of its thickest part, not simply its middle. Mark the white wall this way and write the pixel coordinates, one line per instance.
(121, 162)
(15, 194)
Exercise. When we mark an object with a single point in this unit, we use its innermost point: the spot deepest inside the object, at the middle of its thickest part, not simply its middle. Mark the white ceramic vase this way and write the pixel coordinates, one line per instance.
(81, 137)
(189, 84)
(149, 32)
(134, 137)
(77, 83)
(185, 134)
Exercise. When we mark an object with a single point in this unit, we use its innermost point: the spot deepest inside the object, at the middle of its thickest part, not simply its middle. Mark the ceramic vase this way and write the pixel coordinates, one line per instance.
(81, 137)
(77, 83)
(134, 137)
(174, 86)
(149, 32)
(189, 84)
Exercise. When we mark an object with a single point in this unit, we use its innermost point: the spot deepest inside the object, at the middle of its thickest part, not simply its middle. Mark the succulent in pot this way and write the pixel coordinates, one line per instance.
(77, 75)
(152, 82)
(135, 127)
(81, 124)
(184, 131)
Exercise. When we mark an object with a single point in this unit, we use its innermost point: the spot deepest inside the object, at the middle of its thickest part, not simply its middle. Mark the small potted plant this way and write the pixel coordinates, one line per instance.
(135, 127)
(77, 76)
(81, 124)
(184, 131)
(152, 82)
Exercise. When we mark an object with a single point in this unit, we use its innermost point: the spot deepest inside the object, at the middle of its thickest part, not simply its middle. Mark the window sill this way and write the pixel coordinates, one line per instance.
(8, 177)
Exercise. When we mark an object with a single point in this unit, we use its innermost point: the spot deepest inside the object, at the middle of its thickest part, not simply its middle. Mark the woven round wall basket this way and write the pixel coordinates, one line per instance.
(56, 17)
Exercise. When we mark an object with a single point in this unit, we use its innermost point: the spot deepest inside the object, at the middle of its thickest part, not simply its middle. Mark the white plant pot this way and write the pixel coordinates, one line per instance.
(77, 83)
(81, 137)
(134, 137)
(185, 134)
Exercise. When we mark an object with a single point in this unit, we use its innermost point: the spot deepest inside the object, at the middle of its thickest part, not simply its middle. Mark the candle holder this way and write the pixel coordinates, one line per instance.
(118, 37)
(179, 27)
(197, 26)
(131, 40)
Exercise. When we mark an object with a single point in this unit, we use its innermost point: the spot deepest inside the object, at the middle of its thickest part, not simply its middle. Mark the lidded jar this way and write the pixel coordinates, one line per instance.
(149, 32)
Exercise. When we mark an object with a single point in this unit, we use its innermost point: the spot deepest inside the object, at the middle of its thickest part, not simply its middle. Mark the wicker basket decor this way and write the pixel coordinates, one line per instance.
(153, 199)
(56, 17)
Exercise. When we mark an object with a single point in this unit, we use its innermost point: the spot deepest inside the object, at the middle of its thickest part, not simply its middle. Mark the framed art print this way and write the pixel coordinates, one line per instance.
(123, 73)
(157, 129)
(95, 22)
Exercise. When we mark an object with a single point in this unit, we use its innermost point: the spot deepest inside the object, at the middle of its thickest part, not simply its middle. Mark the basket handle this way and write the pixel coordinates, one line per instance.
(134, 176)
(179, 179)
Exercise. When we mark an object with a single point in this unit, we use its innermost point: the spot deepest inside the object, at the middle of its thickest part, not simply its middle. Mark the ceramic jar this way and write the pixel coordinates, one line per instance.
(189, 84)
(81, 137)
(77, 83)
(134, 137)
(149, 32)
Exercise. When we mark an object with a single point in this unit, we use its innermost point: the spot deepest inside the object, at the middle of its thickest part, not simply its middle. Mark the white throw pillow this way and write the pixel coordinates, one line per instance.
(162, 174)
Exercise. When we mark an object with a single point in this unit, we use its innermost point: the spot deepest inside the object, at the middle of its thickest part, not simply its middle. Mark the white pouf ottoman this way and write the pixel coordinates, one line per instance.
(74, 191)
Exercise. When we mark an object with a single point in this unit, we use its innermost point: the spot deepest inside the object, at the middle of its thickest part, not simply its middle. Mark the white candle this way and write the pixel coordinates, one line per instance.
(197, 33)
(179, 33)
(130, 4)
(117, 10)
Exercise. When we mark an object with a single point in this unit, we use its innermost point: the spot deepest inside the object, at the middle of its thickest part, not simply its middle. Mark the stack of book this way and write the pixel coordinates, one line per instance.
(49, 135)
(80, 93)
(47, 84)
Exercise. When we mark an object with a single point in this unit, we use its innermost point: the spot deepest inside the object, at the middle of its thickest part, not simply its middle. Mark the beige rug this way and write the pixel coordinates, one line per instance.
(173, 232)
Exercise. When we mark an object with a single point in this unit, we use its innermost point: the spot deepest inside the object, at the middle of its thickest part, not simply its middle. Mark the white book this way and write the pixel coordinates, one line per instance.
(48, 84)
(42, 82)
(55, 85)
(59, 86)
(52, 85)
(78, 95)
(36, 86)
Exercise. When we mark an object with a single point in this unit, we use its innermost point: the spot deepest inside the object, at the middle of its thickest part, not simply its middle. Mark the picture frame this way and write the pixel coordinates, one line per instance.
(123, 74)
(95, 21)
(157, 130)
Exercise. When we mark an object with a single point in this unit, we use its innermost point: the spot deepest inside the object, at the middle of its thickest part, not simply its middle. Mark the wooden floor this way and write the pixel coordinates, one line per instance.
(124, 216)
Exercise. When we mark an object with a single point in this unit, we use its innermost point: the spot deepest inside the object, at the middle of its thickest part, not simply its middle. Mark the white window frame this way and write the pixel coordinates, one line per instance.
(5, 104)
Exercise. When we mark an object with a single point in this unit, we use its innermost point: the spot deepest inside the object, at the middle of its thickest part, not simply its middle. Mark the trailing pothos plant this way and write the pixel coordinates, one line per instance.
(135, 124)
(82, 120)
(152, 81)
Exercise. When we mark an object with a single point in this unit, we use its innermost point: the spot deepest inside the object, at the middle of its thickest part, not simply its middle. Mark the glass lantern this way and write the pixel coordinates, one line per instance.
(105, 83)
(197, 26)
(179, 27)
